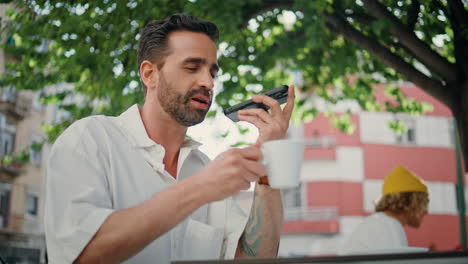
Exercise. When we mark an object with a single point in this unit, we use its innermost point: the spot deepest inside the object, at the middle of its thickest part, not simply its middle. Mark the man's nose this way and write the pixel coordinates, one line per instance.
(206, 81)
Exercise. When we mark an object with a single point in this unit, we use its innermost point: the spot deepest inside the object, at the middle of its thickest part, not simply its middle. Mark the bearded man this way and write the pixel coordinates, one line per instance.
(134, 189)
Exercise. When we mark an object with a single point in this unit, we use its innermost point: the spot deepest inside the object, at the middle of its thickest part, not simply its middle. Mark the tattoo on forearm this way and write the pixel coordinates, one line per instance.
(251, 238)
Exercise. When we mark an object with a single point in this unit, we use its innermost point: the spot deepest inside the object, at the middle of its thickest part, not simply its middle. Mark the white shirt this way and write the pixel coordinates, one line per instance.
(102, 164)
(377, 232)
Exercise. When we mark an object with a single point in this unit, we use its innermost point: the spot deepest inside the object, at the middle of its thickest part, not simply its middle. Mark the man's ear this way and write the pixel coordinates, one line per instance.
(149, 74)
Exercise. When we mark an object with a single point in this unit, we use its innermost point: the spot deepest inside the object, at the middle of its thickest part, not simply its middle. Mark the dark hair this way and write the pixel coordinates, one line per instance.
(153, 46)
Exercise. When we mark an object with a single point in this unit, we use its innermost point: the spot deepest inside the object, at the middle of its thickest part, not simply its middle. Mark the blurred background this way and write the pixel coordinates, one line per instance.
(379, 83)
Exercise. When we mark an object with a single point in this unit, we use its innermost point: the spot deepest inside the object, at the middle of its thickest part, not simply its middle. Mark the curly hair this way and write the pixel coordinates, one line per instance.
(403, 202)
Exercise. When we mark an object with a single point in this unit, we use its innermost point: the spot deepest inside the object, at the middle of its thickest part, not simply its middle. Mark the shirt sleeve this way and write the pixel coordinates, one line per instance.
(236, 220)
(77, 200)
(232, 215)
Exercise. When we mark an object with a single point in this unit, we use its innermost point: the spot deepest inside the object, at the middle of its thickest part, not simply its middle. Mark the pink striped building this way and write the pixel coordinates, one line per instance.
(342, 177)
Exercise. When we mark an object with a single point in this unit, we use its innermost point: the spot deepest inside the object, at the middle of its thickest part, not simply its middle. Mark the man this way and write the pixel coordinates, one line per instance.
(133, 188)
(404, 203)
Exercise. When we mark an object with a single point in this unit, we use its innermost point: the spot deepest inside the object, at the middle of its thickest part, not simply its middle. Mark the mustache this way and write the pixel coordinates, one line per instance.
(194, 92)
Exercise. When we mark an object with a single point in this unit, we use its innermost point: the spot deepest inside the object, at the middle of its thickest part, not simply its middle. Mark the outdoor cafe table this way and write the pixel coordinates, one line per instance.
(452, 257)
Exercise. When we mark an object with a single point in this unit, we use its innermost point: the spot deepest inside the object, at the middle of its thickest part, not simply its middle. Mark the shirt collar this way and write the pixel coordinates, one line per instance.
(131, 121)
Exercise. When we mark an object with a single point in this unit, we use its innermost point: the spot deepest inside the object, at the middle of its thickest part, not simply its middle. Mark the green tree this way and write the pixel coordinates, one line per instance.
(91, 44)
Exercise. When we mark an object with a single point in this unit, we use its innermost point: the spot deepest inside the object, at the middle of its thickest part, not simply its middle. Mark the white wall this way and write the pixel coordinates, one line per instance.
(350, 161)
(348, 166)
(430, 131)
(316, 170)
(442, 199)
(372, 191)
(374, 128)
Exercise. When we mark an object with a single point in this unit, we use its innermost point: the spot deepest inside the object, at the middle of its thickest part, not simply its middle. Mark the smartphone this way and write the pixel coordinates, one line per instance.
(280, 94)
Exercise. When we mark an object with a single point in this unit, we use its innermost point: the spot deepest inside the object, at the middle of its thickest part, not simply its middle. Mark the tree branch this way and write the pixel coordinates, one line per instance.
(433, 87)
(459, 21)
(457, 9)
(413, 12)
(291, 36)
(422, 51)
(361, 18)
(398, 45)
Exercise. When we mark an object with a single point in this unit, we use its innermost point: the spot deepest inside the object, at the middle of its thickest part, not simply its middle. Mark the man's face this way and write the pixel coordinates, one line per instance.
(415, 220)
(186, 81)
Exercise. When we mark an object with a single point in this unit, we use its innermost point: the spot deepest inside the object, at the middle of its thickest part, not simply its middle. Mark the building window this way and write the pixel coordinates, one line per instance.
(7, 136)
(292, 197)
(409, 136)
(9, 94)
(4, 203)
(32, 204)
(7, 142)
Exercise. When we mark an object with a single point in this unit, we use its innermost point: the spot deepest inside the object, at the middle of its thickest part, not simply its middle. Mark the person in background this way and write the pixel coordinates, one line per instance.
(133, 188)
(404, 203)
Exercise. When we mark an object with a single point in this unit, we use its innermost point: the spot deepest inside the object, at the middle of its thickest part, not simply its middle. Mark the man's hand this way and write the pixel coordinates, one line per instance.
(262, 232)
(232, 171)
(272, 125)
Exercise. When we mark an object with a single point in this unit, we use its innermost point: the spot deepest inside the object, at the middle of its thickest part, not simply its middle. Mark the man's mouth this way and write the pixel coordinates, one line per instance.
(201, 99)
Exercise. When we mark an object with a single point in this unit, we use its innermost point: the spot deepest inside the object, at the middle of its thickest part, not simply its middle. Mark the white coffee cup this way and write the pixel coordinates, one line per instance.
(283, 159)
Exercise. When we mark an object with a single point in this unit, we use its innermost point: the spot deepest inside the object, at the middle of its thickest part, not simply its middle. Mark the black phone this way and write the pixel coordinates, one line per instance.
(279, 93)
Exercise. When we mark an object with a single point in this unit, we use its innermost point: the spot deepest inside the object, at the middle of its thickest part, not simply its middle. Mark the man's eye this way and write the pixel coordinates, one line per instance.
(191, 69)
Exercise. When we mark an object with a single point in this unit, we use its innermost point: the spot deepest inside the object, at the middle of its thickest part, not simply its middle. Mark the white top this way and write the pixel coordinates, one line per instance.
(377, 232)
(101, 164)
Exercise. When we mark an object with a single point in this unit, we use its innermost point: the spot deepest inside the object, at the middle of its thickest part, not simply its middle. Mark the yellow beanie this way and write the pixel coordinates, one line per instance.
(402, 180)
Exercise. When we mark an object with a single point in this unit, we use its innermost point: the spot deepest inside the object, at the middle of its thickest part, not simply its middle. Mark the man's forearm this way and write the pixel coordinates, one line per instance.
(263, 230)
(126, 232)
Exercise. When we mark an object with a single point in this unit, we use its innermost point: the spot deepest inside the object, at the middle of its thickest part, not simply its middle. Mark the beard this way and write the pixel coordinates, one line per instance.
(178, 105)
